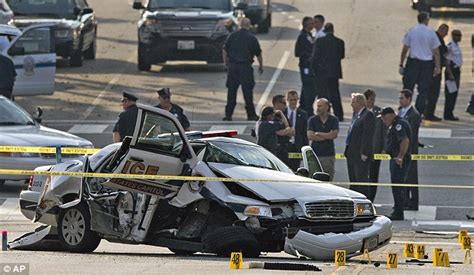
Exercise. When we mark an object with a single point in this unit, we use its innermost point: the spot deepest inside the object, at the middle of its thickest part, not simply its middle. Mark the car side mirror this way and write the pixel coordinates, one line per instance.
(138, 5)
(241, 6)
(321, 176)
(302, 171)
(15, 50)
(87, 11)
(38, 115)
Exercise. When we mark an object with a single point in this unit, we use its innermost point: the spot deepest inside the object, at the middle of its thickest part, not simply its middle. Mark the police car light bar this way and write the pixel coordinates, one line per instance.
(208, 134)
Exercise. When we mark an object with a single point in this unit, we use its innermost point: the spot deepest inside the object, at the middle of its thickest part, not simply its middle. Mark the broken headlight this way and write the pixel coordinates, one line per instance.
(258, 211)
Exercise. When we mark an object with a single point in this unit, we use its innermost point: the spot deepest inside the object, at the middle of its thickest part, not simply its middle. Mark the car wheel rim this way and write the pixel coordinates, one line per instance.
(73, 227)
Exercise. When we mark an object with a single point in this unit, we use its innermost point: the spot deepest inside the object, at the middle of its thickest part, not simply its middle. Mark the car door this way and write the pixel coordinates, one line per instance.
(159, 146)
(33, 54)
(310, 160)
(88, 22)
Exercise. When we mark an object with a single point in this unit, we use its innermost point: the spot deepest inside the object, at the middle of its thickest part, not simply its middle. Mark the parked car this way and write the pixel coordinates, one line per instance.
(426, 5)
(32, 52)
(75, 36)
(259, 12)
(183, 30)
(274, 210)
(18, 128)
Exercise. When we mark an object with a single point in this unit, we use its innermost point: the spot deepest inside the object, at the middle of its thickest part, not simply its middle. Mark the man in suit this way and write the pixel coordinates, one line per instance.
(379, 137)
(328, 51)
(297, 119)
(408, 112)
(359, 143)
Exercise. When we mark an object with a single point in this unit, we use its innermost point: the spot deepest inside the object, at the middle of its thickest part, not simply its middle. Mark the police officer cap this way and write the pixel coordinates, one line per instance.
(387, 110)
(129, 96)
(164, 92)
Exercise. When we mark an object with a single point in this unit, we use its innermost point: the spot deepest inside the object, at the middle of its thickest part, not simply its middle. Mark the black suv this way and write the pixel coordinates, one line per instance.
(259, 12)
(76, 25)
(183, 30)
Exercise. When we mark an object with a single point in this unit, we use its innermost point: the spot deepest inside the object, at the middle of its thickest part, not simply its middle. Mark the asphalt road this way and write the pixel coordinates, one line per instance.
(86, 102)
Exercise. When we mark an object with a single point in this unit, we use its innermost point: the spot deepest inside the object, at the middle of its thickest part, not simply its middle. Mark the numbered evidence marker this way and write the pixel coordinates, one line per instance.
(420, 251)
(437, 257)
(392, 260)
(236, 260)
(445, 257)
(409, 250)
(462, 233)
(340, 257)
(466, 243)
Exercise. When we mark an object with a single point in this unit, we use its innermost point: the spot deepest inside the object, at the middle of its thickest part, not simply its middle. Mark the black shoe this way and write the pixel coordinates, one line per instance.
(452, 118)
(227, 118)
(411, 207)
(396, 216)
(254, 118)
(341, 119)
(433, 118)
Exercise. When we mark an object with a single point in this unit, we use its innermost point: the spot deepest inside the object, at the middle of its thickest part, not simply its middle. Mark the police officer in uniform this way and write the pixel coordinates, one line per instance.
(303, 50)
(239, 51)
(164, 96)
(125, 125)
(398, 146)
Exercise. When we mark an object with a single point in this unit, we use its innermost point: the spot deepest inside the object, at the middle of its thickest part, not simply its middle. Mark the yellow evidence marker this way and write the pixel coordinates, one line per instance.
(340, 258)
(437, 257)
(466, 243)
(462, 233)
(409, 250)
(467, 257)
(445, 257)
(420, 251)
(366, 254)
(236, 260)
(392, 260)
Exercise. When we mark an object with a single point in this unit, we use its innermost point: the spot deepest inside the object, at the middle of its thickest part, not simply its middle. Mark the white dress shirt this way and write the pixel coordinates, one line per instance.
(319, 34)
(403, 111)
(422, 41)
(454, 54)
(292, 122)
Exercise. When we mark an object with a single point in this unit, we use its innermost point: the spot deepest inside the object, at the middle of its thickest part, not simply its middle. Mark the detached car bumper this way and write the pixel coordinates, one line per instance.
(322, 247)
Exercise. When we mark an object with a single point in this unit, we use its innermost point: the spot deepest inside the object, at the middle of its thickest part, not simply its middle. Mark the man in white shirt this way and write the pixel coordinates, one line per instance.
(298, 120)
(422, 44)
(319, 26)
(454, 60)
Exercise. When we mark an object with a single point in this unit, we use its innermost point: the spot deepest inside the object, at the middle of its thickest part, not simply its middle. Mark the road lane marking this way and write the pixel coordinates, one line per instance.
(107, 88)
(434, 133)
(276, 74)
(88, 128)
(427, 243)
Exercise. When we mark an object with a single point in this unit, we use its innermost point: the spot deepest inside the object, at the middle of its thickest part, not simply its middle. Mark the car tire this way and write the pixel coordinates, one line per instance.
(264, 26)
(227, 239)
(180, 252)
(74, 230)
(77, 57)
(143, 64)
(91, 52)
(2, 183)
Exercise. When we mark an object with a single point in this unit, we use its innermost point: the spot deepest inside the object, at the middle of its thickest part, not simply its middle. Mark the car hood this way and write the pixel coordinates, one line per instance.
(282, 191)
(188, 13)
(39, 136)
(22, 22)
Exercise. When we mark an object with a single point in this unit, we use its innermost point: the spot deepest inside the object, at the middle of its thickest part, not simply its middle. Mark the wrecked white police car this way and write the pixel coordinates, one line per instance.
(277, 210)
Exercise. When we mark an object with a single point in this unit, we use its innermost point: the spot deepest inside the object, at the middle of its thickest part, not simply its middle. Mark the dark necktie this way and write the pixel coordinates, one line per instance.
(291, 118)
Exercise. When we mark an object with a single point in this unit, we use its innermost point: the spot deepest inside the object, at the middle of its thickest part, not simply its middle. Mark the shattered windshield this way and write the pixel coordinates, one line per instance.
(13, 115)
(43, 8)
(223, 5)
(244, 155)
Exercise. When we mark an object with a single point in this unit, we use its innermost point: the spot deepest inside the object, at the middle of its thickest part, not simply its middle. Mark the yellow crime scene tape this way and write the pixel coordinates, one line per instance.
(339, 156)
(413, 157)
(199, 178)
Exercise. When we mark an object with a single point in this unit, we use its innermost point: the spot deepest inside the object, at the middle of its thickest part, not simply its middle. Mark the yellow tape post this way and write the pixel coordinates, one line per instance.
(420, 251)
(409, 250)
(461, 234)
(466, 243)
(392, 260)
(437, 257)
(340, 258)
(236, 260)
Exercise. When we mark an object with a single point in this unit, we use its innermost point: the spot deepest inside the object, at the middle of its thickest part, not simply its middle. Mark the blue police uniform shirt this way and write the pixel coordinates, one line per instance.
(242, 47)
(399, 130)
(180, 115)
(267, 136)
(323, 148)
(7, 73)
(126, 122)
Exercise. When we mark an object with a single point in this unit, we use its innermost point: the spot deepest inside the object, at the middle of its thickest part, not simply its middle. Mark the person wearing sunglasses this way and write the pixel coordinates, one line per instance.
(164, 97)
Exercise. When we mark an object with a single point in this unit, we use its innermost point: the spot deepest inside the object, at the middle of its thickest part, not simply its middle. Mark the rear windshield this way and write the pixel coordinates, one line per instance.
(43, 8)
(222, 5)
